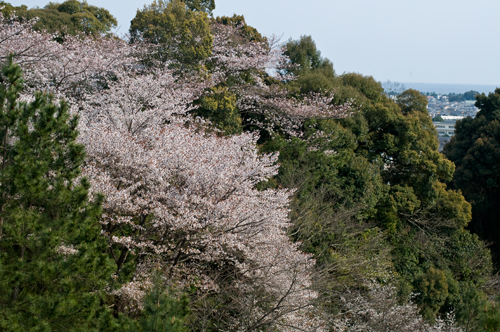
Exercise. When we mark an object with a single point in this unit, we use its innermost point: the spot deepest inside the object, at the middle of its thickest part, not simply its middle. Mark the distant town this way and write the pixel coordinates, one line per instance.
(440, 105)
(445, 110)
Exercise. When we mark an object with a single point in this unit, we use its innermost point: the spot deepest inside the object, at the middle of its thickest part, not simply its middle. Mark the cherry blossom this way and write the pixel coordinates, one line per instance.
(185, 199)
(245, 62)
(176, 196)
(68, 67)
(379, 310)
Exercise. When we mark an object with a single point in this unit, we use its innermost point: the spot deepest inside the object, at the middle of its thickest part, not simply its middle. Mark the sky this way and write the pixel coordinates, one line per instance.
(427, 41)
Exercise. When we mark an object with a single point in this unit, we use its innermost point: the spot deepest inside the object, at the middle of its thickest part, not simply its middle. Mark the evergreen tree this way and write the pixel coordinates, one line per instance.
(163, 312)
(206, 6)
(183, 35)
(70, 17)
(423, 221)
(315, 73)
(475, 149)
(53, 268)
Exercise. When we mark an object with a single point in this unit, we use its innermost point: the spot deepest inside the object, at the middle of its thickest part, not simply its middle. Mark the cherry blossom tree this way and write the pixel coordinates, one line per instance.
(70, 67)
(253, 70)
(184, 199)
(177, 197)
(379, 310)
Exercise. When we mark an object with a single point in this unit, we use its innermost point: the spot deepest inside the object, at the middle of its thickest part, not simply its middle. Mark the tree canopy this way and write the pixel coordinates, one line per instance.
(216, 181)
(182, 35)
(69, 17)
(474, 150)
(315, 73)
(408, 199)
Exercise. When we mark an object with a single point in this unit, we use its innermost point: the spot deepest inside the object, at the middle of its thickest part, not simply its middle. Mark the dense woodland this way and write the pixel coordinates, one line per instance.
(199, 176)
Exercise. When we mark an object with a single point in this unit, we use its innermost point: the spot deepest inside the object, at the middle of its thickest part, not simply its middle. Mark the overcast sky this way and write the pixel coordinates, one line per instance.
(434, 41)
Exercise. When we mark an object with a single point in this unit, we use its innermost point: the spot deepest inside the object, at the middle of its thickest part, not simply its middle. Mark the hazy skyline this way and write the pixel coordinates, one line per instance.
(435, 41)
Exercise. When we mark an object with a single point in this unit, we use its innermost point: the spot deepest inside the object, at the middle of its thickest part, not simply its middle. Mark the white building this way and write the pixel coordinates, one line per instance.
(446, 128)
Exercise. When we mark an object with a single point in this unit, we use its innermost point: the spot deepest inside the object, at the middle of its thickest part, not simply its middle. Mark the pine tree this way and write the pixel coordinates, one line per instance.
(53, 266)
(164, 312)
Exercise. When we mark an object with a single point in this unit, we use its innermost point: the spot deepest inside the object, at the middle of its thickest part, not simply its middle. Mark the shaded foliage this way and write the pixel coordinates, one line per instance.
(475, 149)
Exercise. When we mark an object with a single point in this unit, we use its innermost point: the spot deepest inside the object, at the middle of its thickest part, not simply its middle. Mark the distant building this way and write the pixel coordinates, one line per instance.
(446, 129)
(452, 117)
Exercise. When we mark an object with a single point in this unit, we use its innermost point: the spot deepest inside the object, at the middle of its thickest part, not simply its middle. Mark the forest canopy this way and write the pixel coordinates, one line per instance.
(201, 176)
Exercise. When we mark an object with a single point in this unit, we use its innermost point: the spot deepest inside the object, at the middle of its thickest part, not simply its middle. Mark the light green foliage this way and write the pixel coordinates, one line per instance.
(182, 34)
(53, 269)
(220, 107)
(304, 53)
(411, 101)
(7, 9)
(71, 16)
(366, 85)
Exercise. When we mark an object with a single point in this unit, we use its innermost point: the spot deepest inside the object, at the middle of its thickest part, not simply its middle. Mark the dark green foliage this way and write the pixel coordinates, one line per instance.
(433, 94)
(456, 97)
(475, 311)
(432, 290)
(489, 317)
(471, 95)
(475, 149)
(247, 32)
(165, 310)
(394, 145)
(220, 106)
(70, 17)
(315, 73)
(337, 191)
(425, 221)
(43, 207)
(330, 166)
(206, 6)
